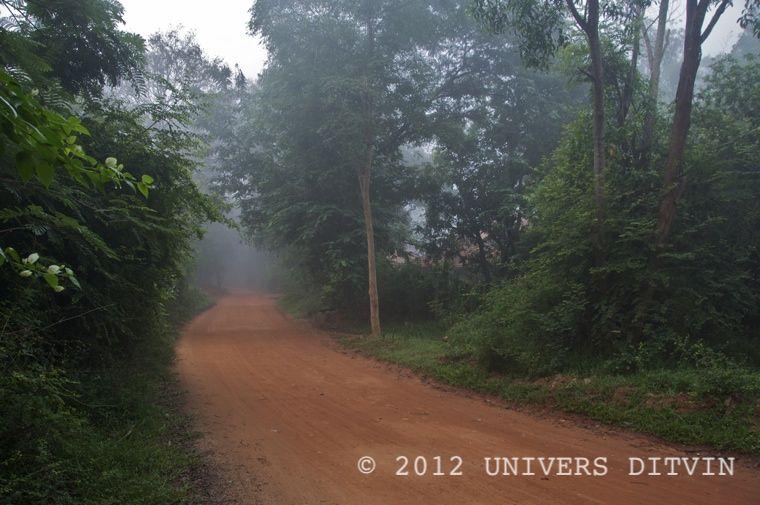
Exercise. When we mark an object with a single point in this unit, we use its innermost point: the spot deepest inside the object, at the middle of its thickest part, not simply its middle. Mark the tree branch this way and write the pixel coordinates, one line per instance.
(702, 6)
(648, 46)
(586, 73)
(578, 18)
(716, 15)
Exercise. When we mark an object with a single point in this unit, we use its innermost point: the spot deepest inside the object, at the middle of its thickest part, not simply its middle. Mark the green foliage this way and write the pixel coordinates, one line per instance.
(408, 291)
(125, 239)
(102, 435)
(526, 327)
(640, 306)
(471, 166)
(43, 141)
(73, 43)
(473, 190)
(81, 369)
(54, 275)
(540, 25)
(299, 138)
(313, 124)
(412, 292)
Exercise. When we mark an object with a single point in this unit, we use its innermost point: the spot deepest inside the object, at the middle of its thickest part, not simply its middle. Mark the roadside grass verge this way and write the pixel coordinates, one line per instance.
(718, 408)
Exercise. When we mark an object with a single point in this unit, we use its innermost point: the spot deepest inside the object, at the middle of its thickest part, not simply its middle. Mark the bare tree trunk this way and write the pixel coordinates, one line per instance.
(627, 95)
(597, 72)
(590, 26)
(365, 177)
(654, 55)
(673, 181)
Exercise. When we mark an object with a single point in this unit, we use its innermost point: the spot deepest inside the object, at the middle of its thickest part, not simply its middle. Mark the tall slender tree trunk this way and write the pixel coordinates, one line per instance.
(365, 174)
(654, 55)
(589, 23)
(597, 73)
(365, 177)
(627, 96)
(673, 181)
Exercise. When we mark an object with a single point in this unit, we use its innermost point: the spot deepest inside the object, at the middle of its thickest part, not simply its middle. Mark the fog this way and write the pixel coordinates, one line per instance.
(226, 262)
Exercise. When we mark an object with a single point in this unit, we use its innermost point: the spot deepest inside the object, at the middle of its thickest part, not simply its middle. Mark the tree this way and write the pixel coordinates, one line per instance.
(473, 191)
(377, 70)
(540, 25)
(695, 34)
(40, 156)
(472, 205)
(76, 42)
(655, 53)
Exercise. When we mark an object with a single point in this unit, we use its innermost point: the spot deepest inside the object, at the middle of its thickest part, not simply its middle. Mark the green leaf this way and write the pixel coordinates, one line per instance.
(51, 279)
(142, 188)
(2, 256)
(147, 179)
(45, 173)
(74, 281)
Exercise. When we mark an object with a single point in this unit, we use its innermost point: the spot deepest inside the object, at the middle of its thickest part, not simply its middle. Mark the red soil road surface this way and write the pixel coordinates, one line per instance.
(287, 415)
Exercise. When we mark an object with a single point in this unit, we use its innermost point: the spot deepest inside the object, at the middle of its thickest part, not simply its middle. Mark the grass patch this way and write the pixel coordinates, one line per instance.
(718, 407)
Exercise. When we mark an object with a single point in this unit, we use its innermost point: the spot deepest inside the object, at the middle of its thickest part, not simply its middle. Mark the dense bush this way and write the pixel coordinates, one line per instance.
(92, 261)
(63, 428)
(607, 290)
(407, 290)
(411, 291)
(90, 436)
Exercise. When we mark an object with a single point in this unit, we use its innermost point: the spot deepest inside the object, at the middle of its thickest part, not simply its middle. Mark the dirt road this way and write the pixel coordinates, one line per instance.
(287, 416)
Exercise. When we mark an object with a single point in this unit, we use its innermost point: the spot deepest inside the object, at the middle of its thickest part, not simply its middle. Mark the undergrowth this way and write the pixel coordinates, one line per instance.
(109, 434)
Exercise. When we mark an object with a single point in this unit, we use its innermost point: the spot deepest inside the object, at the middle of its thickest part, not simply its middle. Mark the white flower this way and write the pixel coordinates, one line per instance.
(54, 269)
(25, 273)
(111, 163)
(58, 288)
(32, 258)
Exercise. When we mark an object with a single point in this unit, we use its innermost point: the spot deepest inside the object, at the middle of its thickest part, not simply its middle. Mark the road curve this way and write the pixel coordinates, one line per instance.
(287, 416)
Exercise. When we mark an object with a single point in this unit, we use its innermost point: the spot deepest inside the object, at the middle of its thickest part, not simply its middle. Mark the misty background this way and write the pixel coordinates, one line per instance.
(226, 260)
